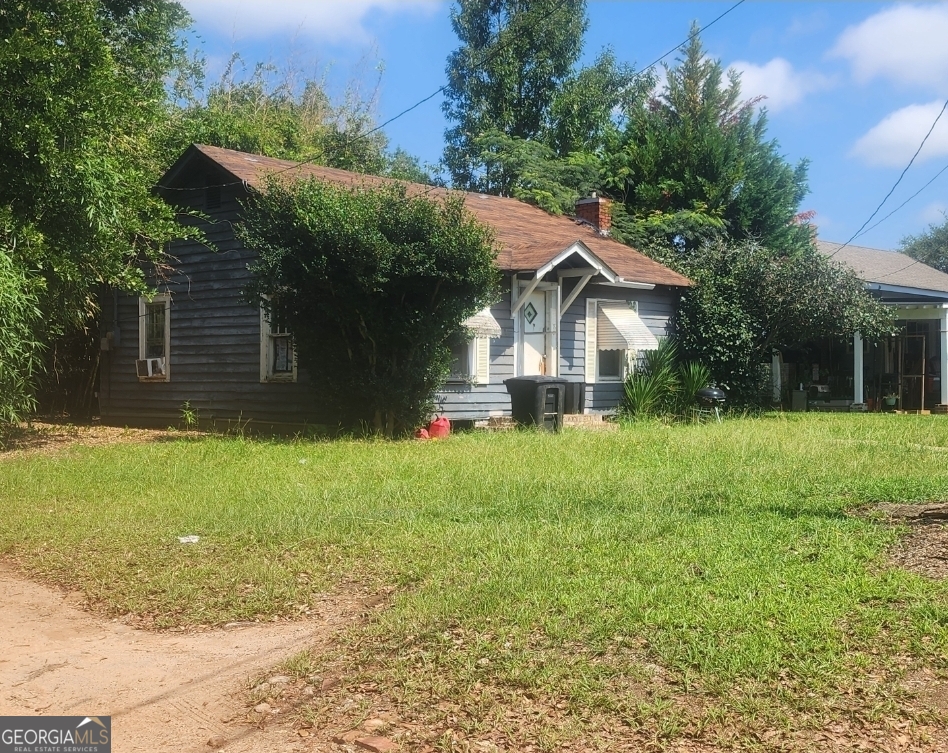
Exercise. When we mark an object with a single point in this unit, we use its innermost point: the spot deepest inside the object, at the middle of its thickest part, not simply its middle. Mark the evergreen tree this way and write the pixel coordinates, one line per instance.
(694, 164)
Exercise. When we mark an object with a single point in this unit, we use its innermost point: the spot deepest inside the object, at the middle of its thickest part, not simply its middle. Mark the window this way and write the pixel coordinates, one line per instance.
(154, 339)
(470, 348)
(615, 337)
(470, 359)
(462, 358)
(277, 351)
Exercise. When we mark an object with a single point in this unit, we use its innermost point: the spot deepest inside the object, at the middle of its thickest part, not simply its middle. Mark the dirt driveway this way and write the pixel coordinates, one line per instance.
(164, 691)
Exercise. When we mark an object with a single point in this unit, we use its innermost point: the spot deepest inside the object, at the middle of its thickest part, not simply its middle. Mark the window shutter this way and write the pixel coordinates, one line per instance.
(481, 360)
(592, 310)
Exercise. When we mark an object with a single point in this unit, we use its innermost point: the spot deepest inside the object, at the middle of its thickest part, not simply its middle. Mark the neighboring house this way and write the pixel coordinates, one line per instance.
(575, 304)
(908, 365)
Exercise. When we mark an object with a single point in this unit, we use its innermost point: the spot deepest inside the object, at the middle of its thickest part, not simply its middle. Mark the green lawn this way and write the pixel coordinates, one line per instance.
(725, 555)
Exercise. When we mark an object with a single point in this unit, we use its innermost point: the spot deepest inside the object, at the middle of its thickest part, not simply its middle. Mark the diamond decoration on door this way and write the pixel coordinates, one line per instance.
(530, 313)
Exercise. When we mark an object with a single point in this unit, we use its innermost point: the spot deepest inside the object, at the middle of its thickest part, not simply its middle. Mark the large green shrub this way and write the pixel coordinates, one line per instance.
(373, 283)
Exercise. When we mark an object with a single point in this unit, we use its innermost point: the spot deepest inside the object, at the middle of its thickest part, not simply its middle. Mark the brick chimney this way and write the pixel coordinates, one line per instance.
(596, 211)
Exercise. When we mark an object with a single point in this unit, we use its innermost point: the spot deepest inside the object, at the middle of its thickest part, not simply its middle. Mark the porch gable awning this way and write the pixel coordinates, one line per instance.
(482, 324)
(620, 328)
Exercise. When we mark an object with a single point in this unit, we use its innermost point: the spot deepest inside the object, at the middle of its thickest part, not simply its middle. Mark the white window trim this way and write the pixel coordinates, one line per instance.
(267, 375)
(478, 363)
(142, 336)
(627, 365)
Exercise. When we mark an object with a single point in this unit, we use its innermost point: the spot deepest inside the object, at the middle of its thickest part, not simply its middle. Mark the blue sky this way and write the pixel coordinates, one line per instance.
(851, 86)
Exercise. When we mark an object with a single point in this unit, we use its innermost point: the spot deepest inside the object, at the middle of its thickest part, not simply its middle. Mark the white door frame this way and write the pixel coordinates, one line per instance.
(522, 288)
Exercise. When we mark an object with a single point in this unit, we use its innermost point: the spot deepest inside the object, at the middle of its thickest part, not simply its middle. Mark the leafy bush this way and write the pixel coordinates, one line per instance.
(19, 347)
(662, 386)
(373, 283)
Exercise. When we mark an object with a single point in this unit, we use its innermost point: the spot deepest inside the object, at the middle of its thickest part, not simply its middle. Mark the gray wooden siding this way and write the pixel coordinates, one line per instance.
(656, 309)
(478, 401)
(215, 343)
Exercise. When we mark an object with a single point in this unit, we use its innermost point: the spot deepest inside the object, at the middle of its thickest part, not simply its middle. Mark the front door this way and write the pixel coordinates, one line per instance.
(537, 325)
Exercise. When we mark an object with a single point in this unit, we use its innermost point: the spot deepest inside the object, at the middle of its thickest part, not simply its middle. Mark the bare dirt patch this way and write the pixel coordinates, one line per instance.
(175, 691)
(924, 549)
(48, 437)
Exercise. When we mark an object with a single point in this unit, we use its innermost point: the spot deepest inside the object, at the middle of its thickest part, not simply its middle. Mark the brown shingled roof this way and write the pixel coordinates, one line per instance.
(886, 267)
(528, 237)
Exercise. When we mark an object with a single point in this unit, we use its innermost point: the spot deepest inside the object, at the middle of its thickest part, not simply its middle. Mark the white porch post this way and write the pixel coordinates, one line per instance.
(859, 378)
(943, 336)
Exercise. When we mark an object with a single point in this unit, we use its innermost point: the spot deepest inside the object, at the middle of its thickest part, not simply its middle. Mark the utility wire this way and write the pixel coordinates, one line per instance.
(895, 185)
(495, 51)
(486, 59)
(872, 227)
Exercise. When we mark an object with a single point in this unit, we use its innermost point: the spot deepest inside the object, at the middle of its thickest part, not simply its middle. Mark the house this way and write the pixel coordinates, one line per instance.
(575, 304)
(908, 366)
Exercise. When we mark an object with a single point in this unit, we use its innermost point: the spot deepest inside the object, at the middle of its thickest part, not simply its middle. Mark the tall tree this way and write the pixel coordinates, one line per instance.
(514, 57)
(284, 115)
(83, 88)
(930, 247)
(83, 85)
(694, 163)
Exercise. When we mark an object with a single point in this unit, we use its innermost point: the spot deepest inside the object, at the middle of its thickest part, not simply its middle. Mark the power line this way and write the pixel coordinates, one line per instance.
(895, 185)
(872, 227)
(486, 59)
(495, 51)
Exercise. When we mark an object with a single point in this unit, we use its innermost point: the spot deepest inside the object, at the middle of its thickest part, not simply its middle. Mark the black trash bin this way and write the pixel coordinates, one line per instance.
(537, 401)
(575, 397)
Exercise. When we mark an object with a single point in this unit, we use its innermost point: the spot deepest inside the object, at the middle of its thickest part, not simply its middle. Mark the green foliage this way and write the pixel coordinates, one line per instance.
(373, 283)
(513, 58)
(20, 350)
(528, 123)
(693, 164)
(748, 301)
(539, 176)
(83, 86)
(284, 115)
(930, 247)
(662, 386)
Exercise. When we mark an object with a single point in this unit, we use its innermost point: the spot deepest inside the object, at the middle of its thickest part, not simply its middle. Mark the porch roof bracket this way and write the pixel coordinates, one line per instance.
(574, 293)
(580, 249)
(518, 302)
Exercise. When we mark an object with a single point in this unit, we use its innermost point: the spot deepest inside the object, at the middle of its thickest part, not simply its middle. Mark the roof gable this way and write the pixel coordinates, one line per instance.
(528, 237)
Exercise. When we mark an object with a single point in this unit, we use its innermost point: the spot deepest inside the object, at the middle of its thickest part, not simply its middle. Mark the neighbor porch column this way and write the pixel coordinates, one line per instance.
(943, 336)
(859, 378)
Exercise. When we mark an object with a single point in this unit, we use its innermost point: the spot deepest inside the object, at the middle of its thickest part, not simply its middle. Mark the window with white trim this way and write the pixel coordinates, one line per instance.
(614, 337)
(154, 339)
(277, 349)
(470, 359)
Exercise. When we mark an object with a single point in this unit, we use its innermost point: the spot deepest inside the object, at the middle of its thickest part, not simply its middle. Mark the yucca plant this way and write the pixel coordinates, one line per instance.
(661, 387)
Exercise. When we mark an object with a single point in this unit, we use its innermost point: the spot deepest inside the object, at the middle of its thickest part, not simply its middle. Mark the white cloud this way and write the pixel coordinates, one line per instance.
(323, 19)
(934, 213)
(893, 141)
(905, 44)
(778, 82)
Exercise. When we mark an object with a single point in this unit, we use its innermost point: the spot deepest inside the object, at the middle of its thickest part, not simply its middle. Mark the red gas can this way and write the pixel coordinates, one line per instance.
(439, 428)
